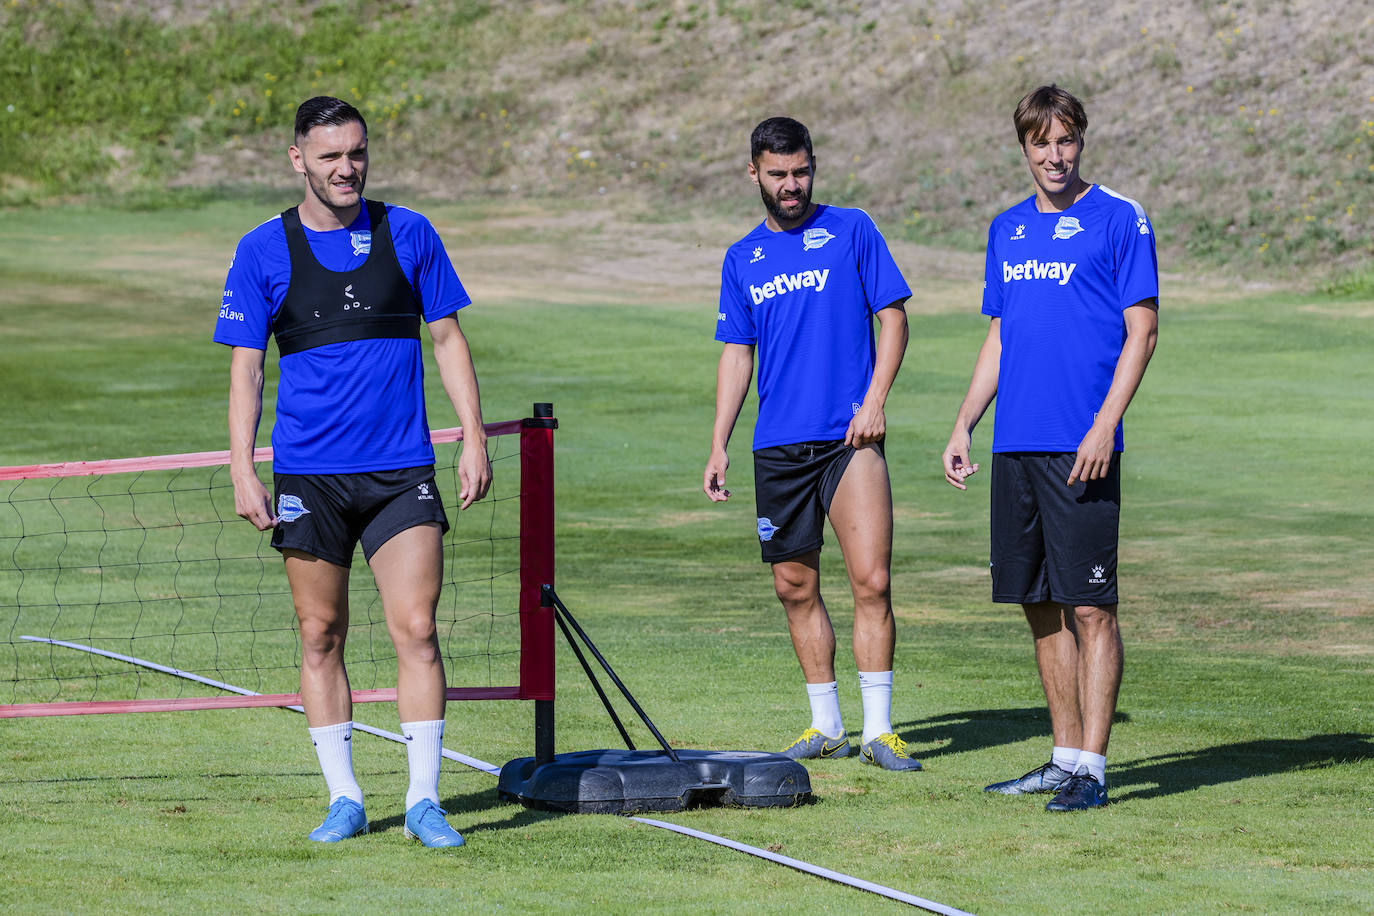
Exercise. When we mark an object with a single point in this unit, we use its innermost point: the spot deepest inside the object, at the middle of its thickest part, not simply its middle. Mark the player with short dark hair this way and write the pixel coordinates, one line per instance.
(344, 284)
(1071, 290)
(803, 289)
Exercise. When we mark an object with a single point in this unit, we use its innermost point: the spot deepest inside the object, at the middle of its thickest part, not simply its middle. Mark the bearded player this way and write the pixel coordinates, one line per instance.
(802, 290)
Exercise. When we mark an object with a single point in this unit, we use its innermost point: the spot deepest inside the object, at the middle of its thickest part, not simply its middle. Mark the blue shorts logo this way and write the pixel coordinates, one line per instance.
(290, 508)
(767, 529)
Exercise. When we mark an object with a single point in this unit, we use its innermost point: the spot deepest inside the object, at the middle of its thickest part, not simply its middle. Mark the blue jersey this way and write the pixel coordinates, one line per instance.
(805, 299)
(349, 407)
(1060, 282)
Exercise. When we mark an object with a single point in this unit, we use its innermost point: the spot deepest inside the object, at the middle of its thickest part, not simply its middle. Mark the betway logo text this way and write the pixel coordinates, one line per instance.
(1038, 270)
(786, 283)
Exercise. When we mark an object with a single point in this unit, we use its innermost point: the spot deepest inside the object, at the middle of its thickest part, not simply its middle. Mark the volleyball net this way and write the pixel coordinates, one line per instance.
(114, 574)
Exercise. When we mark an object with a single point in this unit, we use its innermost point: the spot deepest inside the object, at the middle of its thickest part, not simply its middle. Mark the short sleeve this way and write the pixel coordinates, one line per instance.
(1137, 266)
(245, 312)
(426, 264)
(735, 315)
(882, 280)
(992, 279)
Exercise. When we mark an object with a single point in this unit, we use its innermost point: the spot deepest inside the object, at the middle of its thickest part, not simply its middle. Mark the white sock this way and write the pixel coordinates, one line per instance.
(1096, 764)
(334, 748)
(825, 708)
(1066, 758)
(424, 744)
(876, 689)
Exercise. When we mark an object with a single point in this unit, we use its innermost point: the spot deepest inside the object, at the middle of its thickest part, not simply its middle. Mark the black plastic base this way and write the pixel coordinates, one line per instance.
(623, 782)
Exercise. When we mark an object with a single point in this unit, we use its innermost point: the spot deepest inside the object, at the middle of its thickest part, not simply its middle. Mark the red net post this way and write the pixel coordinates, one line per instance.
(536, 554)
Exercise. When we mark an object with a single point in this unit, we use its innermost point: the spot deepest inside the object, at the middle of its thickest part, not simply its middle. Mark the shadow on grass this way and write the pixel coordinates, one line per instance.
(1149, 777)
(976, 729)
(461, 807)
(1169, 774)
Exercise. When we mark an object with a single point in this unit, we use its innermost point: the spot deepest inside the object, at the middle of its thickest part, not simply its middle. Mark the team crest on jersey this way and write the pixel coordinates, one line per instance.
(815, 237)
(767, 529)
(1067, 227)
(290, 508)
(362, 241)
(758, 255)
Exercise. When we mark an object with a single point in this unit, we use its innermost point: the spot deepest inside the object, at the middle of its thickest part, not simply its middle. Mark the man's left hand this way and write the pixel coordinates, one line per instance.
(474, 474)
(868, 426)
(1094, 455)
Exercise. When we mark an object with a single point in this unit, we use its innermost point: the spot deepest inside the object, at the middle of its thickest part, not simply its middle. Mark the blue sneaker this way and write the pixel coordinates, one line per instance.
(1047, 778)
(1078, 793)
(425, 822)
(812, 744)
(345, 819)
(889, 752)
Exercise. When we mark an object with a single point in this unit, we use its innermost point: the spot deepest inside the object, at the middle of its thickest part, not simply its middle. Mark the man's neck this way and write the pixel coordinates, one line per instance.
(1055, 203)
(316, 215)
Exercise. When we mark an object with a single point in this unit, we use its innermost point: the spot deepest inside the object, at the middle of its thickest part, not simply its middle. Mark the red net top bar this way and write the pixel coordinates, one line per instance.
(200, 459)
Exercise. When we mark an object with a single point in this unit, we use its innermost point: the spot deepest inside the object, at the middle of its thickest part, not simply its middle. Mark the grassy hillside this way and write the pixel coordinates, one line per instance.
(1245, 128)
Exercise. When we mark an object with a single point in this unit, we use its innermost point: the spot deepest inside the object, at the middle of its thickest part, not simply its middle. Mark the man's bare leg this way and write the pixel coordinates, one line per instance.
(797, 583)
(409, 569)
(861, 514)
(1100, 665)
(319, 590)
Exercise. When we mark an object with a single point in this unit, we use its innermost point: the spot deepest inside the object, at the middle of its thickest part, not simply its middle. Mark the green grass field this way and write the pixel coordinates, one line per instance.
(1240, 769)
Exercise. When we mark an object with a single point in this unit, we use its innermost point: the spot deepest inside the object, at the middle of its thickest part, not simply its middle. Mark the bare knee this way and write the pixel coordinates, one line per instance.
(794, 591)
(415, 636)
(794, 594)
(1093, 619)
(872, 586)
(321, 639)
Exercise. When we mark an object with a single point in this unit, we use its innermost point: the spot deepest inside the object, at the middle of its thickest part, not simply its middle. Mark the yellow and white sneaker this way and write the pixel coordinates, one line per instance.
(813, 745)
(889, 752)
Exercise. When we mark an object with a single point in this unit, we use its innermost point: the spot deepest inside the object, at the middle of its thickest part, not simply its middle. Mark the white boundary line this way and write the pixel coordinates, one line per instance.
(492, 770)
(810, 869)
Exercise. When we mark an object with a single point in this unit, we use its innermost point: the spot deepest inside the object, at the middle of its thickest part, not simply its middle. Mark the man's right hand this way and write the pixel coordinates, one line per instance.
(713, 479)
(253, 502)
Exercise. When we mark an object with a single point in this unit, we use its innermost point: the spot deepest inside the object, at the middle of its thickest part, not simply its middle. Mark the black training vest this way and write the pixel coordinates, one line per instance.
(324, 306)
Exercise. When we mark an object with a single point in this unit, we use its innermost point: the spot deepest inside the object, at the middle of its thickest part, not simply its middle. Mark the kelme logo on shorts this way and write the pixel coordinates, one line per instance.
(767, 529)
(290, 508)
(1099, 576)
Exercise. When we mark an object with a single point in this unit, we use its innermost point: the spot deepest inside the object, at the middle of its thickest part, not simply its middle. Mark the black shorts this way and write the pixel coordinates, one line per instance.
(793, 487)
(326, 515)
(1052, 542)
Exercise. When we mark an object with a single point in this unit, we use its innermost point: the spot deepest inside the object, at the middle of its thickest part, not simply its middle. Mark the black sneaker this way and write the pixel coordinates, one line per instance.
(1047, 778)
(1078, 793)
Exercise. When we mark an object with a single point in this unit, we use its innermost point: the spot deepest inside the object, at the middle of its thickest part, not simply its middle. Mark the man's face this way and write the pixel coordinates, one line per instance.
(1053, 158)
(784, 181)
(333, 159)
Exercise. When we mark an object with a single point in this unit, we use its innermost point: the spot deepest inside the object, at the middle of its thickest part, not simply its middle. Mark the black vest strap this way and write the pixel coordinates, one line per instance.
(324, 306)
